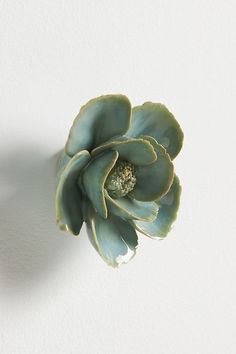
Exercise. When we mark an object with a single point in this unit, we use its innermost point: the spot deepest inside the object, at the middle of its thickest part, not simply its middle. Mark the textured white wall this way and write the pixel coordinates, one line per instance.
(56, 294)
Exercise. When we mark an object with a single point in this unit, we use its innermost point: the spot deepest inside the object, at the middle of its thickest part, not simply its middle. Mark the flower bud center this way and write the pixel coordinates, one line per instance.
(121, 180)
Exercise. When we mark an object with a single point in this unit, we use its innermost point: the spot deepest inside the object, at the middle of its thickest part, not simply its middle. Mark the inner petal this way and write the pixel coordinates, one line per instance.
(121, 180)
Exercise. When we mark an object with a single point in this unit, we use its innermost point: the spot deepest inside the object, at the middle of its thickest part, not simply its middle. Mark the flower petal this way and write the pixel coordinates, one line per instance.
(62, 162)
(135, 151)
(94, 178)
(155, 120)
(129, 208)
(153, 181)
(68, 201)
(98, 121)
(113, 238)
(168, 207)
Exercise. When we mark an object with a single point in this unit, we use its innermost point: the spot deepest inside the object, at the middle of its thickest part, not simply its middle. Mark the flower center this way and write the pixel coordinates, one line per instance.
(121, 180)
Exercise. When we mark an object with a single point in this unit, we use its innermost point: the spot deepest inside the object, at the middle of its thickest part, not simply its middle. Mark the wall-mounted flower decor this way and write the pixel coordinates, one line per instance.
(116, 174)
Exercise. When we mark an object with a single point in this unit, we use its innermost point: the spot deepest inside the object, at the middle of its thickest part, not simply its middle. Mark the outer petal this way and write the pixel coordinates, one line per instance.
(128, 208)
(94, 178)
(136, 151)
(168, 207)
(98, 121)
(62, 162)
(154, 181)
(156, 120)
(113, 238)
(68, 201)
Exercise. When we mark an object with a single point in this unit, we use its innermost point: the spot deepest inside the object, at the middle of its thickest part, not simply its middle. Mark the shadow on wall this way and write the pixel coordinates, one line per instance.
(30, 242)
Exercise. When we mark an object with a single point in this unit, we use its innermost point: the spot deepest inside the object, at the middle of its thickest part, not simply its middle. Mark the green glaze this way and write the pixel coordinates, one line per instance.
(68, 195)
(135, 151)
(168, 207)
(153, 181)
(94, 178)
(155, 120)
(129, 208)
(98, 121)
(113, 238)
(116, 175)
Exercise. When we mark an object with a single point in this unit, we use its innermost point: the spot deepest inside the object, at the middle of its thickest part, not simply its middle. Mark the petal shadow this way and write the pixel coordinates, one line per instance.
(31, 246)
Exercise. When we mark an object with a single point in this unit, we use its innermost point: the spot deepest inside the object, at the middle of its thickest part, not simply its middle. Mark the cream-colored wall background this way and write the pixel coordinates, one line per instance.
(57, 296)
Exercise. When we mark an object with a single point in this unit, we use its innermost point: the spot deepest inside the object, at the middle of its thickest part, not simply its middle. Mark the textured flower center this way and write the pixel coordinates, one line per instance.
(121, 179)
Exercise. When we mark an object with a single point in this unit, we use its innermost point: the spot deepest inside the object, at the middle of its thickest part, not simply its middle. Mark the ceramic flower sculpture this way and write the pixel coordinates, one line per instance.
(116, 175)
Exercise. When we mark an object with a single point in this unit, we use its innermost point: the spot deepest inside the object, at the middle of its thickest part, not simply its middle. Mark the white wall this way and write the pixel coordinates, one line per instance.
(56, 295)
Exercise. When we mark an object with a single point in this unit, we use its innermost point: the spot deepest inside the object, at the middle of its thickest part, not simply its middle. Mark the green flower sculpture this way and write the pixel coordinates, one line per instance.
(116, 174)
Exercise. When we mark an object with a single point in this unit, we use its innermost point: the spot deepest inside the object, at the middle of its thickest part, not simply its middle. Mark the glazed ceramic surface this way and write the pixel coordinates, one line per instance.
(116, 174)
